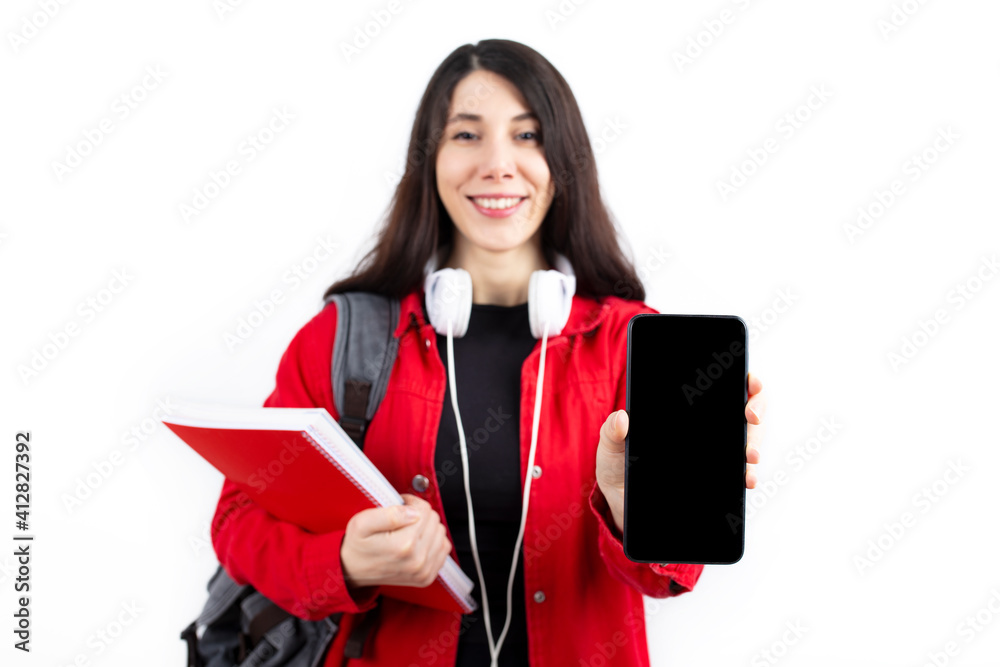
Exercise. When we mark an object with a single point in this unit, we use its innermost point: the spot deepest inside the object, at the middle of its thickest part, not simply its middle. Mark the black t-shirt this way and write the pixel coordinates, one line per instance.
(488, 361)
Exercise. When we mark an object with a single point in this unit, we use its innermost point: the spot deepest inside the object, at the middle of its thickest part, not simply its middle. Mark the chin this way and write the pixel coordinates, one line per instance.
(495, 244)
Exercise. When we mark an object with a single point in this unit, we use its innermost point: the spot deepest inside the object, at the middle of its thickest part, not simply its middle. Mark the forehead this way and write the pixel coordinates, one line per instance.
(488, 96)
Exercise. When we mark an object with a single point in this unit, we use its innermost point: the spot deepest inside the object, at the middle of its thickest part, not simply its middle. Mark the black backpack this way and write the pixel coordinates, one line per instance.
(239, 627)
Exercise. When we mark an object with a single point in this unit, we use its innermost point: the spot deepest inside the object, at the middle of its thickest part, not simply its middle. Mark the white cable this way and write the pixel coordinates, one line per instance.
(468, 493)
(495, 647)
(527, 480)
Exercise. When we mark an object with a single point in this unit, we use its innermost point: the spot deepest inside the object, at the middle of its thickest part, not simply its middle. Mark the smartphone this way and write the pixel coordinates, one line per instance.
(685, 451)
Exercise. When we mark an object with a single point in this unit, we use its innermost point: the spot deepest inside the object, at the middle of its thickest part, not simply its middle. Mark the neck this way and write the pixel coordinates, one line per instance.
(498, 278)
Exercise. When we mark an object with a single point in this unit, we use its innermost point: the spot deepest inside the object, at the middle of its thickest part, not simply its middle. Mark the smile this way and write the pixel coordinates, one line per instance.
(497, 207)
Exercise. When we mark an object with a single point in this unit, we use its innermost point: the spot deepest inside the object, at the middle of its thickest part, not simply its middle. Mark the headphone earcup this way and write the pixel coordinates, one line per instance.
(448, 294)
(550, 298)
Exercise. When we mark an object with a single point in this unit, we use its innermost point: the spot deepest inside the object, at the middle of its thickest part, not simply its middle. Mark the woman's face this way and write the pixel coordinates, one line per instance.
(491, 171)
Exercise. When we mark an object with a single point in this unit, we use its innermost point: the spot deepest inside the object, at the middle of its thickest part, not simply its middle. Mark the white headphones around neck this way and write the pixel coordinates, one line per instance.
(448, 295)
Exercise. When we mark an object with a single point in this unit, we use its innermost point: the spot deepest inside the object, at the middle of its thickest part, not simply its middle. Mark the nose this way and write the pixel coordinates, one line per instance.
(497, 161)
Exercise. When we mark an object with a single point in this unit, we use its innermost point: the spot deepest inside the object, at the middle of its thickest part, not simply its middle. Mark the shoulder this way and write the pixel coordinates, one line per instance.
(605, 328)
(307, 361)
(315, 337)
(620, 311)
(303, 376)
(629, 306)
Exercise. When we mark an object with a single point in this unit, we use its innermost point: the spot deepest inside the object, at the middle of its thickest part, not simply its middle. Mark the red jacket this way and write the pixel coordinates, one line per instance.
(583, 596)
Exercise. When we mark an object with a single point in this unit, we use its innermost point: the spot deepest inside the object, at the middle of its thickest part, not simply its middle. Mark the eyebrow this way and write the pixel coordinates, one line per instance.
(476, 117)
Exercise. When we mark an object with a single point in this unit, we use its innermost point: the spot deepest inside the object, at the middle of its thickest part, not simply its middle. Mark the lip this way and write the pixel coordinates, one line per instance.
(498, 213)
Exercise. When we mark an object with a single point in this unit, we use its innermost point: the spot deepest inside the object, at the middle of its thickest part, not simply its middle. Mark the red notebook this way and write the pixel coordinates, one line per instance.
(300, 465)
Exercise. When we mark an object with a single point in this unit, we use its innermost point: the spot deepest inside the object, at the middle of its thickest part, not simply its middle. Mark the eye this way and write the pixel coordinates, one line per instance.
(533, 137)
(459, 135)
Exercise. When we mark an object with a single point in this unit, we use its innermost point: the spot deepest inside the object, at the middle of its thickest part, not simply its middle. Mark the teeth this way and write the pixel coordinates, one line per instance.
(497, 203)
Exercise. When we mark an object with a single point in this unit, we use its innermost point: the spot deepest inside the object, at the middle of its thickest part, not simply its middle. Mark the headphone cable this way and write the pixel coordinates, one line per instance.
(495, 647)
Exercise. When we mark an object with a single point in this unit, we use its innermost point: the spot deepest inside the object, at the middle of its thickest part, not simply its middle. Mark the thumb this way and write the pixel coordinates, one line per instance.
(385, 519)
(614, 430)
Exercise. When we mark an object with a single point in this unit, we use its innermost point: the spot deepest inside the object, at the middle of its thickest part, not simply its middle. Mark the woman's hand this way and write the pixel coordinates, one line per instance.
(756, 405)
(611, 449)
(382, 546)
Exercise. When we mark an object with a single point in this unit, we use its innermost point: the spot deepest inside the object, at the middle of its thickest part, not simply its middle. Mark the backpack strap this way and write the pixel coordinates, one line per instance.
(365, 325)
(261, 616)
(364, 350)
(190, 637)
(222, 593)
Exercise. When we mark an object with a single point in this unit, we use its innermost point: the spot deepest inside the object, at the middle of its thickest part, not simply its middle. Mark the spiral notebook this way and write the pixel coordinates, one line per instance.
(300, 465)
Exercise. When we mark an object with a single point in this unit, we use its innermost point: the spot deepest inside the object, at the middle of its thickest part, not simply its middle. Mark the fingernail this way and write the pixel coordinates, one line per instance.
(409, 514)
(614, 422)
(754, 413)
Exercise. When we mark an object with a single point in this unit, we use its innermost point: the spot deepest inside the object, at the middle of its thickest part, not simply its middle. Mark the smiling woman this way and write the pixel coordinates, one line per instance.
(497, 121)
(514, 299)
(494, 182)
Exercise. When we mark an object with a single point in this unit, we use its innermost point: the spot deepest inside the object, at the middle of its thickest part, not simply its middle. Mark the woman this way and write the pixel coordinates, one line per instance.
(501, 182)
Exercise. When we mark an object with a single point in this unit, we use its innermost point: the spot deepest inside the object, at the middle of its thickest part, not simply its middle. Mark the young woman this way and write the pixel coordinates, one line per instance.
(520, 390)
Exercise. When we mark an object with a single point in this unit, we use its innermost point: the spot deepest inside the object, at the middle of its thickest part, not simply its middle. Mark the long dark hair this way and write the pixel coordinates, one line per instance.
(577, 223)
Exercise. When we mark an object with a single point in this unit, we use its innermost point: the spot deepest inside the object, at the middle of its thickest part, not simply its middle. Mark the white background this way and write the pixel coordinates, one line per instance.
(672, 131)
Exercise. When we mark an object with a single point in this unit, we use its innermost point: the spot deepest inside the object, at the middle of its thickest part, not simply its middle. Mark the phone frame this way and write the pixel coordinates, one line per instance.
(628, 410)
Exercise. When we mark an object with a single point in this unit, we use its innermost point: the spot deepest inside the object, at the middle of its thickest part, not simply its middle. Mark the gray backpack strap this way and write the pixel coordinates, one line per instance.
(364, 350)
(222, 593)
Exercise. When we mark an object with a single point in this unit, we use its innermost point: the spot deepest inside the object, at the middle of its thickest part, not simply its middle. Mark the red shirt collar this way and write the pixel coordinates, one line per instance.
(585, 315)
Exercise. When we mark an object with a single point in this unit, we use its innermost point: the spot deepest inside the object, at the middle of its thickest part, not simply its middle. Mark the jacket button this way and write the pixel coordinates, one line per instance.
(427, 342)
(536, 472)
(419, 483)
(539, 596)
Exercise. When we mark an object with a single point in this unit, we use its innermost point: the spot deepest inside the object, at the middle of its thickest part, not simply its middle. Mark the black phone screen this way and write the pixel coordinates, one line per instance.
(685, 487)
